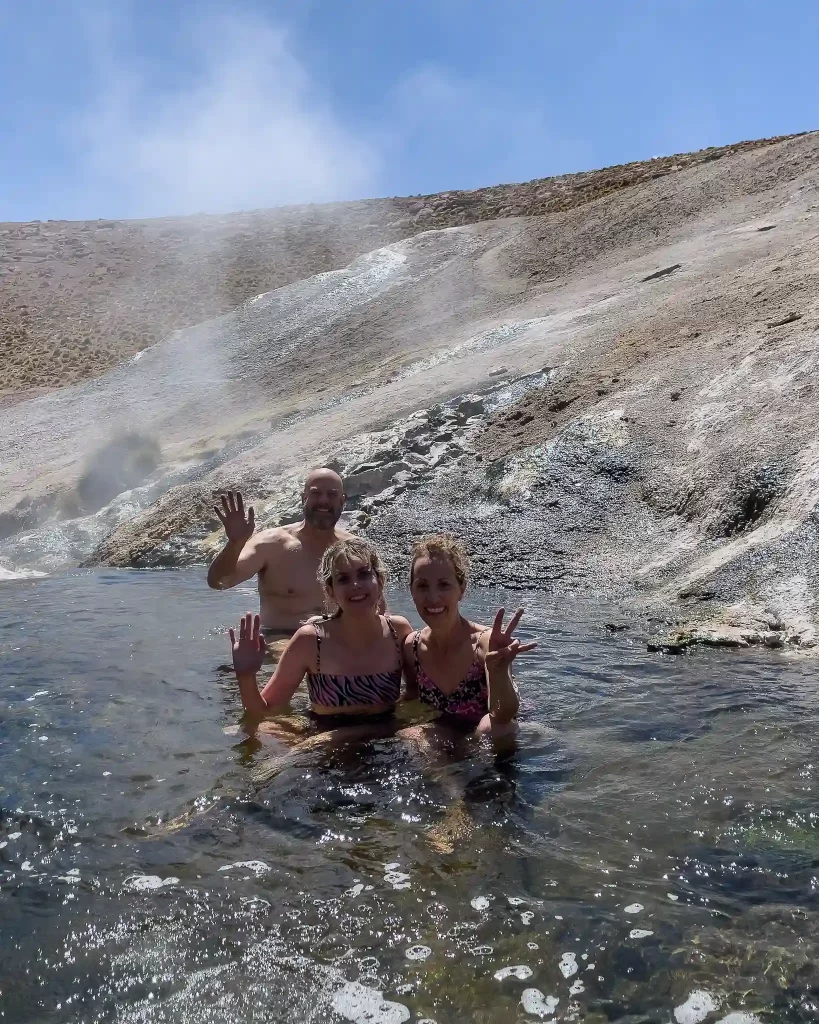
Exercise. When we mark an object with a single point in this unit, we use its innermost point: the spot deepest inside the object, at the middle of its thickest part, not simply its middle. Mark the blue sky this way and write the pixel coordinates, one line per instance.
(120, 108)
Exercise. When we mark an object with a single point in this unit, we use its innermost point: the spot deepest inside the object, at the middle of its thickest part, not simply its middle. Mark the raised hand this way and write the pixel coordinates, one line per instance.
(504, 646)
(251, 647)
(232, 516)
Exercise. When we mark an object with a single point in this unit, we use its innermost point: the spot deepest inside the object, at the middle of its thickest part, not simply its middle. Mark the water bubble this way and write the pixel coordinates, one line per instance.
(527, 917)
(397, 879)
(362, 1005)
(533, 1001)
(519, 971)
(143, 883)
(258, 867)
(480, 903)
(417, 952)
(568, 965)
(639, 933)
(634, 908)
(356, 890)
(577, 988)
(696, 1008)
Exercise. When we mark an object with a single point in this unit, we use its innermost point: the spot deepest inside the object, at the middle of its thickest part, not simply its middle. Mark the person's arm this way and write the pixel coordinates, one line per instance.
(241, 557)
(236, 563)
(500, 648)
(248, 655)
(410, 676)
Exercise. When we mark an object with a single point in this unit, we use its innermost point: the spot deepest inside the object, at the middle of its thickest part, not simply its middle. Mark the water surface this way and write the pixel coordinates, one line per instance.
(655, 860)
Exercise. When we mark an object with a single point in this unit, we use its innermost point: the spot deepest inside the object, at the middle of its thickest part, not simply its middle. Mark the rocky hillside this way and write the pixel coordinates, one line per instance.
(79, 298)
(615, 396)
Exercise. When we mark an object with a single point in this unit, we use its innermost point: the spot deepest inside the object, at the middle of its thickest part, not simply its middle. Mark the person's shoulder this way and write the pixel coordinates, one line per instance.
(402, 626)
(304, 635)
(342, 534)
(275, 537)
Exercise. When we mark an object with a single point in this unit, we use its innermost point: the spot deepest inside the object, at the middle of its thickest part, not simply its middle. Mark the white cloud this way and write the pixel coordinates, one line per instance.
(244, 130)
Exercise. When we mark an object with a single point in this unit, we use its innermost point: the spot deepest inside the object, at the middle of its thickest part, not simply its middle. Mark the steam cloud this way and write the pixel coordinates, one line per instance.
(245, 131)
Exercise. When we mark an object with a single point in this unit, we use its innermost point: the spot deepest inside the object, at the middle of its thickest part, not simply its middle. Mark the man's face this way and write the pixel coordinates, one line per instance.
(323, 500)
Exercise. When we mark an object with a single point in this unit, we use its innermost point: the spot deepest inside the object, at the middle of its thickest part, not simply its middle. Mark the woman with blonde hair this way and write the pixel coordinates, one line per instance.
(459, 668)
(351, 659)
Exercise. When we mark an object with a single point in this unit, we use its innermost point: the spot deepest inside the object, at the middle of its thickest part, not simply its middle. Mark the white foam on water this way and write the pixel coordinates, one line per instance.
(519, 971)
(480, 903)
(534, 1002)
(527, 917)
(634, 908)
(397, 879)
(515, 901)
(3, 845)
(15, 835)
(577, 988)
(392, 867)
(7, 575)
(568, 965)
(362, 1005)
(639, 933)
(356, 890)
(26, 866)
(483, 950)
(258, 867)
(740, 1017)
(671, 896)
(696, 1008)
(532, 945)
(417, 952)
(144, 883)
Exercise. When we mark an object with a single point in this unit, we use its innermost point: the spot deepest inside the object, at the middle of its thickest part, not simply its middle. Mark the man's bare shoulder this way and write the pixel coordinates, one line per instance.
(276, 537)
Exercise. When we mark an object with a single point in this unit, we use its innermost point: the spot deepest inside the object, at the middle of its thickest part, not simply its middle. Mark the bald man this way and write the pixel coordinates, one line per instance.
(285, 558)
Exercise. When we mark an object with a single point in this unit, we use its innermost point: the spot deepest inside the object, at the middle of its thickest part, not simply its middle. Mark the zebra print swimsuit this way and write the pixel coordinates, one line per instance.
(339, 691)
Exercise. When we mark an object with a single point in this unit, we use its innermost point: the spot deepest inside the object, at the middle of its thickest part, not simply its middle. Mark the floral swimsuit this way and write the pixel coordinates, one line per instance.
(468, 702)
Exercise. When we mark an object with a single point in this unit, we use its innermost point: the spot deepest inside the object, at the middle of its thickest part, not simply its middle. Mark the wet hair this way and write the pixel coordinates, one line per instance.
(351, 547)
(442, 545)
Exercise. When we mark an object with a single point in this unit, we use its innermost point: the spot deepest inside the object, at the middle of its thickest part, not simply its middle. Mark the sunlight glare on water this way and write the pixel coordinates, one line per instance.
(649, 853)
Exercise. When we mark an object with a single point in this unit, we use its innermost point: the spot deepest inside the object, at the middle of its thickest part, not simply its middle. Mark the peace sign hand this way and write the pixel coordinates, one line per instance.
(232, 516)
(249, 652)
(504, 646)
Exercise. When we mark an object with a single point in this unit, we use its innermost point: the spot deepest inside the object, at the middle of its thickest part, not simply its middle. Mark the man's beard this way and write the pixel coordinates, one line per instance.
(321, 520)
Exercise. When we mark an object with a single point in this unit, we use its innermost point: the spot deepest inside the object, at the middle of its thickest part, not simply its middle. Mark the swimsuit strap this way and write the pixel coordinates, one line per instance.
(475, 646)
(416, 636)
(318, 648)
(394, 636)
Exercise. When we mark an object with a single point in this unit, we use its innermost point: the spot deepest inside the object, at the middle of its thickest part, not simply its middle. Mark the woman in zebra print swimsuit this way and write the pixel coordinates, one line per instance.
(352, 659)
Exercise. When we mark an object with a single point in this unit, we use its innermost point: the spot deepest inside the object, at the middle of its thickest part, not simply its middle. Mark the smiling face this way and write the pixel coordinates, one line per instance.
(436, 589)
(323, 499)
(355, 586)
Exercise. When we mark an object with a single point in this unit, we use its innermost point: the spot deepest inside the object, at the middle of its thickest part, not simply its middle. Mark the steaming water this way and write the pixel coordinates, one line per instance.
(654, 862)
(184, 385)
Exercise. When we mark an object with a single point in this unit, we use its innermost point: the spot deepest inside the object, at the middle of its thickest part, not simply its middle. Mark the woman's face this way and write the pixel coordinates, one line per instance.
(355, 587)
(435, 589)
